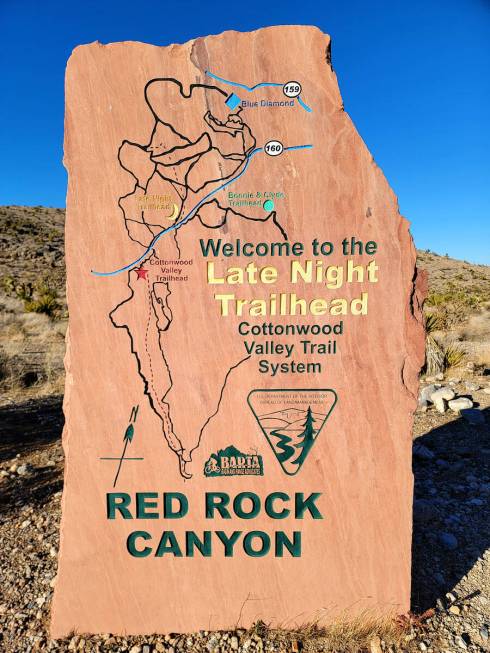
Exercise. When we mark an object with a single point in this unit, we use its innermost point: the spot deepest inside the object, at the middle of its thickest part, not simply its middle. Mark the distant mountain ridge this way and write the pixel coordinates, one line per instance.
(32, 244)
(32, 251)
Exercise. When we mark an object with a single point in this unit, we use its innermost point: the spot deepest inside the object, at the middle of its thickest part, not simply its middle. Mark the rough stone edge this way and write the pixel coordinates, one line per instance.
(416, 291)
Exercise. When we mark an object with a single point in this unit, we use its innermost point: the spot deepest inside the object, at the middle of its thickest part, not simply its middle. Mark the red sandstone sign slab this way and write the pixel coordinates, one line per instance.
(243, 348)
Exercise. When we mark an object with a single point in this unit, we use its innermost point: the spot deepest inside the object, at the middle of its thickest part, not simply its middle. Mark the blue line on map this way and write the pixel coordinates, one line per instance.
(191, 213)
(247, 88)
(254, 88)
(305, 106)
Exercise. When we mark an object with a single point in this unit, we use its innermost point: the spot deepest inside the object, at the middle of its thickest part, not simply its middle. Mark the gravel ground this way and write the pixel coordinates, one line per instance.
(451, 557)
(451, 542)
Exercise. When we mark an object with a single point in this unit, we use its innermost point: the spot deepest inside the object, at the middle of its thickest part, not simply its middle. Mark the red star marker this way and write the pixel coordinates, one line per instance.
(141, 272)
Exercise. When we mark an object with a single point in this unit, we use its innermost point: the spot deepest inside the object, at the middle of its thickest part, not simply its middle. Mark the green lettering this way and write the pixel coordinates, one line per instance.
(118, 501)
(269, 505)
(131, 544)
(168, 544)
(142, 503)
(168, 511)
(228, 542)
(248, 548)
(238, 507)
(293, 547)
(302, 504)
(218, 501)
(192, 542)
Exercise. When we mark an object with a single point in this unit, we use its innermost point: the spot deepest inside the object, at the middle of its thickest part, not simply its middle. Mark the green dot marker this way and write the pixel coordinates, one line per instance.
(268, 205)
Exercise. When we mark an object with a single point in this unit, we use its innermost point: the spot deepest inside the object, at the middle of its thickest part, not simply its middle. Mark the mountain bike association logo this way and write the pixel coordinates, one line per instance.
(232, 462)
(291, 421)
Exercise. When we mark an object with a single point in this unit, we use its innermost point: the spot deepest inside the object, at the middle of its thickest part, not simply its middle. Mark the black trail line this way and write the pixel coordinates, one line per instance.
(233, 367)
(244, 132)
(146, 382)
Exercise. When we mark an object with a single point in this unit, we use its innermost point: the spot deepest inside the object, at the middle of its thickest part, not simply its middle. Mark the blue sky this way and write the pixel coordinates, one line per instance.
(414, 77)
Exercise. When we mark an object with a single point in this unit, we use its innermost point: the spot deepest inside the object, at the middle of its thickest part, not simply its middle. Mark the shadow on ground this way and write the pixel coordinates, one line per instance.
(451, 507)
(29, 430)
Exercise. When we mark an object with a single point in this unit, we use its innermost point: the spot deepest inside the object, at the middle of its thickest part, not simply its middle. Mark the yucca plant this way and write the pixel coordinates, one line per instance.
(45, 301)
(8, 285)
(434, 354)
(44, 304)
(24, 291)
(453, 356)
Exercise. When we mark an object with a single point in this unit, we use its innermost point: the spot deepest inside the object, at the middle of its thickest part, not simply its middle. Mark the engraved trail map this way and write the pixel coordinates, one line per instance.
(180, 175)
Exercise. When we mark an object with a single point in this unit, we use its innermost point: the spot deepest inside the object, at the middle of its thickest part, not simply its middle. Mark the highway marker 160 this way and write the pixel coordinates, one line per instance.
(274, 148)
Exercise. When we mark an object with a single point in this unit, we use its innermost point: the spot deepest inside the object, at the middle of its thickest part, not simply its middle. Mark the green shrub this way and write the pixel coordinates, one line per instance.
(454, 297)
(8, 284)
(24, 291)
(453, 356)
(44, 300)
(45, 304)
(433, 322)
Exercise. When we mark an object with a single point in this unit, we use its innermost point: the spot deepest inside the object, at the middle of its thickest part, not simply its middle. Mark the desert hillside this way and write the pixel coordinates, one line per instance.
(33, 310)
(32, 301)
(451, 454)
(32, 244)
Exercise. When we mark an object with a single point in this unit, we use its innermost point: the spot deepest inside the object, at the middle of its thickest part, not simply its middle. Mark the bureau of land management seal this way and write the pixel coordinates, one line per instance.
(291, 421)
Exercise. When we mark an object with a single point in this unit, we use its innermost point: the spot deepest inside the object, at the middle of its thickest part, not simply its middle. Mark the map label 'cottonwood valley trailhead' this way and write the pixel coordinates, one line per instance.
(245, 338)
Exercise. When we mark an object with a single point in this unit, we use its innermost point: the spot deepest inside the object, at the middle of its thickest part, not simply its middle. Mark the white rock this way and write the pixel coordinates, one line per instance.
(426, 392)
(439, 397)
(460, 404)
(442, 393)
(430, 379)
(460, 642)
(440, 405)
